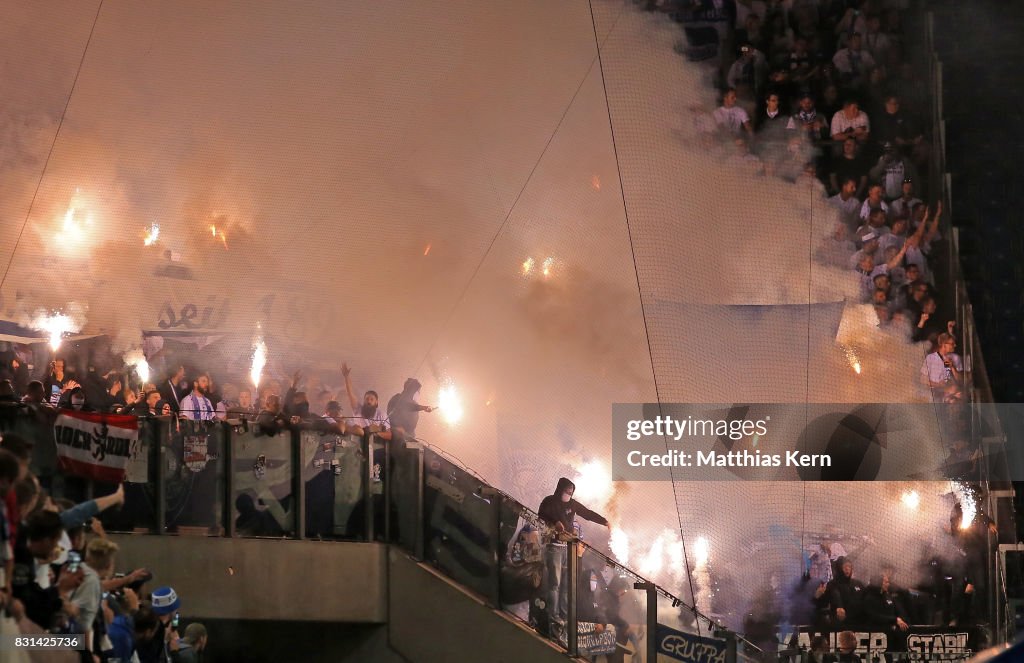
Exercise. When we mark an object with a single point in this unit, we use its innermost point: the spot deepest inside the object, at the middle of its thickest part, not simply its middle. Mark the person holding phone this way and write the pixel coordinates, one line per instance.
(942, 367)
(57, 381)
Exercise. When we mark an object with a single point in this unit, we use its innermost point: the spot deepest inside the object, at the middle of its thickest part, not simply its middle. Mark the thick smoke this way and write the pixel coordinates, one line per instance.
(332, 179)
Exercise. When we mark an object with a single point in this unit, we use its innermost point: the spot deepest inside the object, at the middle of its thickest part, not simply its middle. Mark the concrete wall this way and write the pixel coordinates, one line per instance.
(431, 620)
(287, 580)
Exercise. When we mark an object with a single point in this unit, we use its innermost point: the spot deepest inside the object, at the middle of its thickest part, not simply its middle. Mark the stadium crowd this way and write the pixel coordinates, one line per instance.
(828, 90)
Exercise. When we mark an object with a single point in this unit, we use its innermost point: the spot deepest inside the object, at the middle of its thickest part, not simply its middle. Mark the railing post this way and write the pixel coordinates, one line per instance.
(572, 628)
(385, 476)
(419, 544)
(228, 454)
(161, 487)
(652, 618)
(298, 485)
(368, 487)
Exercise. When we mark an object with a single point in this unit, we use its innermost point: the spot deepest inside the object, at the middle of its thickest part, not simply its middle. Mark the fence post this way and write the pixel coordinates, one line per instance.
(228, 454)
(572, 627)
(298, 485)
(419, 543)
(368, 488)
(161, 487)
(652, 617)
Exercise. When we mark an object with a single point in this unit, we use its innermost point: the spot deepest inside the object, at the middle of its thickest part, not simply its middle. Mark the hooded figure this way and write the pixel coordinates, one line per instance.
(404, 411)
(559, 510)
(845, 593)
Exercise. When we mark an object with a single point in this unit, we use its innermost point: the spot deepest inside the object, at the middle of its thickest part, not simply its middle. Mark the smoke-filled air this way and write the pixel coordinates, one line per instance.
(431, 189)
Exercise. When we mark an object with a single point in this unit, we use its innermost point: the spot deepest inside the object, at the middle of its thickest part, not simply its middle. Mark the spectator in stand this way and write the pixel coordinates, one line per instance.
(149, 634)
(927, 326)
(196, 405)
(368, 417)
(174, 388)
(875, 225)
(404, 412)
(847, 593)
(896, 126)
(847, 203)
(731, 119)
(148, 406)
(873, 201)
(87, 596)
(748, 73)
(846, 648)
(798, 69)
(35, 394)
(272, 419)
(907, 200)
(853, 63)
(820, 650)
(876, 42)
(942, 367)
(74, 399)
(189, 649)
(891, 171)
(164, 604)
(897, 235)
(41, 597)
(808, 120)
(850, 122)
(117, 614)
(849, 165)
(58, 381)
(882, 609)
(244, 408)
(9, 470)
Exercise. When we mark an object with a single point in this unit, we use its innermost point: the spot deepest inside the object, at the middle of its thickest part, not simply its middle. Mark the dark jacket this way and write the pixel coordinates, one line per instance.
(553, 510)
(41, 605)
(403, 410)
(846, 593)
(881, 609)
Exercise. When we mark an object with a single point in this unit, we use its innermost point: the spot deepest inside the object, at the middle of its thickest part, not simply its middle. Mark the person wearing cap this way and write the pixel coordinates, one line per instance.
(748, 73)
(164, 603)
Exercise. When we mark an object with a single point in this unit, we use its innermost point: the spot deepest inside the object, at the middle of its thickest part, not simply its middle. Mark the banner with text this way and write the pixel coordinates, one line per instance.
(675, 645)
(94, 445)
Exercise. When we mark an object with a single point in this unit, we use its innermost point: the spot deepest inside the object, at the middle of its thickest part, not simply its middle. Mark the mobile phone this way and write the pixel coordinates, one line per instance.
(176, 621)
(74, 561)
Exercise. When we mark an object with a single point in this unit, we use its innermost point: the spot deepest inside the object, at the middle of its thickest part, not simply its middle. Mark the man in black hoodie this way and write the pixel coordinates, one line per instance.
(846, 594)
(404, 411)
(882, 608)
(558, 511)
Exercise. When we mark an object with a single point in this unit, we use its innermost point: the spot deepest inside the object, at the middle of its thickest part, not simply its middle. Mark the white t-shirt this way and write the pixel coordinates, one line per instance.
(934, 370)
(848, 209)
(379, 417)
(865, 209)
(900, 206)
(841, 123)
(732, 119)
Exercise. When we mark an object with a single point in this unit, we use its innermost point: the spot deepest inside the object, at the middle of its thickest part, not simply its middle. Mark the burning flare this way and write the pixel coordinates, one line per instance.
(527, 266)
(57, 325)
(911, 499)
(137, 359)
(219, 234)
(152, 235)
(619, 544)
(851, 356)
(259, 360)
(968, 504)
(593, 483)
(548, 264)
(701, 551)
(450, 404)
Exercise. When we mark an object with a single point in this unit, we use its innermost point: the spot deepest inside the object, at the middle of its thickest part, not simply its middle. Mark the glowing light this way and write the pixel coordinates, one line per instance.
(654, 560)
(137, 359)
(259, 360)
(527, 266)
(548, 263)
(851, 356)
(218, 233)
(213, 231)
(593, 483)
(595, 182)
(56, 325)
(965, 496)
(619, 544)
(701, 551)
(152, 235)
(911, 499)
(450, 404)
(426, 251)
(75, 226)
